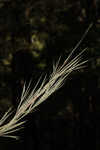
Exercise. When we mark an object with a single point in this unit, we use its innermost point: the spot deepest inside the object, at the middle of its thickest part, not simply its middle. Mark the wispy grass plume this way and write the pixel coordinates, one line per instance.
(29, 101)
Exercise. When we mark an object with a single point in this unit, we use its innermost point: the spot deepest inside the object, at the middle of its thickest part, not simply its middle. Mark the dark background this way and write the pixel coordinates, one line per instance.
(33, 34)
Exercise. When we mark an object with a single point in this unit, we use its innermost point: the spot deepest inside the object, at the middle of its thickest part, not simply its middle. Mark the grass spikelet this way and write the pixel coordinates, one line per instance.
(29, 101)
